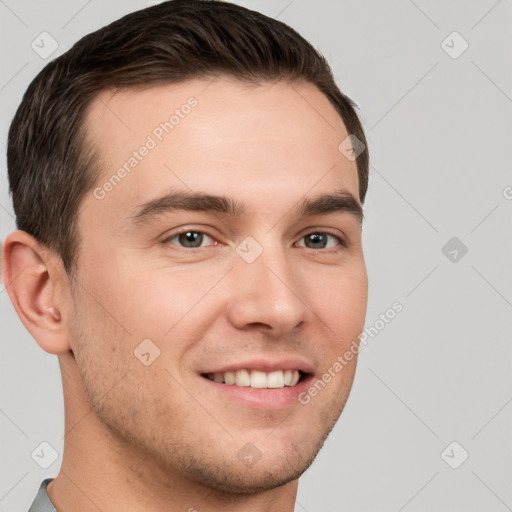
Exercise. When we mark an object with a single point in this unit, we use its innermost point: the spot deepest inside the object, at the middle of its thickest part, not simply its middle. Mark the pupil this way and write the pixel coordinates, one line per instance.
(317, 239)
(191, 239)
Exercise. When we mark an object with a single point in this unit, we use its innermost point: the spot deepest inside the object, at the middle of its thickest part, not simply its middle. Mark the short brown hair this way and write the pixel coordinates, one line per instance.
(51, 168)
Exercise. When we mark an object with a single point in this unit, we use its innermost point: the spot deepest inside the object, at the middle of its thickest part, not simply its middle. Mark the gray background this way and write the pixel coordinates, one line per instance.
(439, 130)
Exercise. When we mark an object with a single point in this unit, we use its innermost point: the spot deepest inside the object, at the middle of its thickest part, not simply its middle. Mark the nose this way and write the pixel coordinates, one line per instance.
(265, 294)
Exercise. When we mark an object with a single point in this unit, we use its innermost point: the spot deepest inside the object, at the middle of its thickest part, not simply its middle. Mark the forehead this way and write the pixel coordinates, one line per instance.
(217, 136)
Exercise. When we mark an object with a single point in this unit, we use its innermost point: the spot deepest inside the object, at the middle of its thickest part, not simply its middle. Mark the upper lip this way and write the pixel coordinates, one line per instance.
(264, 365)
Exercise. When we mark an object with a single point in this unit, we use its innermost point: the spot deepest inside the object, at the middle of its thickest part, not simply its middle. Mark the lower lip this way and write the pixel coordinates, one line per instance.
(262, 398)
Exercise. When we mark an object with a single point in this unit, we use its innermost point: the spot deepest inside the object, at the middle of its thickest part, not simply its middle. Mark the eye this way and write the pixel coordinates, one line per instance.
(190, 239)
(319, 240)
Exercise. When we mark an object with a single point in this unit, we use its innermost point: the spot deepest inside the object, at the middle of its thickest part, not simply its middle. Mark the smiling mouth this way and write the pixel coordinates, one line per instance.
(257, 379)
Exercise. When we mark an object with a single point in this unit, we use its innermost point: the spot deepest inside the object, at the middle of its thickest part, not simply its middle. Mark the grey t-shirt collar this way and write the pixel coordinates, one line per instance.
(42, 502)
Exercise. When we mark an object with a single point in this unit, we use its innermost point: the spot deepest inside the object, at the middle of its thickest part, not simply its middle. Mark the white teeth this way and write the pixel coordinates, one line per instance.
(229, 378)
(256, 378)
(243, 378)
(275, 380)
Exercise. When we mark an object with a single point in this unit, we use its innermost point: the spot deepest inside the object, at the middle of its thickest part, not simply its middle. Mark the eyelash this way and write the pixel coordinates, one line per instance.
(341, 241)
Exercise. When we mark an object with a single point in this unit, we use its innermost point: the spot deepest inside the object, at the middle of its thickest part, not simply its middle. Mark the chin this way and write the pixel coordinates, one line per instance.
(239, 479)
(277, 464)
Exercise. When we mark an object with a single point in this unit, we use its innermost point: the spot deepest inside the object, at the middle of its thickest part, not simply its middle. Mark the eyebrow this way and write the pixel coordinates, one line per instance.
(339, 201)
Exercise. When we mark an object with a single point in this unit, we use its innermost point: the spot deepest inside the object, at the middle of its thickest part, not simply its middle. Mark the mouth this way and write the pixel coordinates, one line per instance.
(258, 382)
(258, 379)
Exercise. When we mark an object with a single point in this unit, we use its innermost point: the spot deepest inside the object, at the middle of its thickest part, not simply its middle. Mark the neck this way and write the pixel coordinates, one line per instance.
(102, 472)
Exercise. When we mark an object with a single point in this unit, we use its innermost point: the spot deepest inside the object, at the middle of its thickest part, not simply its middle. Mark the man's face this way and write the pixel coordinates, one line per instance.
(264, 288)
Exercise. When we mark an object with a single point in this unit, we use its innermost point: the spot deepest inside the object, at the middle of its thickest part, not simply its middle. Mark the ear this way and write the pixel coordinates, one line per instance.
(37, 284)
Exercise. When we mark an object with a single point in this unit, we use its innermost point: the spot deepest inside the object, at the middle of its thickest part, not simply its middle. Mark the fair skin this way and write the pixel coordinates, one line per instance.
(164, 436)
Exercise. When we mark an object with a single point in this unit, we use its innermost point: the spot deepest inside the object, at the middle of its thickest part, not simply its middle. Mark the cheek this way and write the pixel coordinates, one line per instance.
(173, 308)
(99, 347)
(340, 299)
(144, 299)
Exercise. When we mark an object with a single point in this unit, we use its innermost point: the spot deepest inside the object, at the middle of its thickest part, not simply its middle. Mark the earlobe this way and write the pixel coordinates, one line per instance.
(32, 278)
